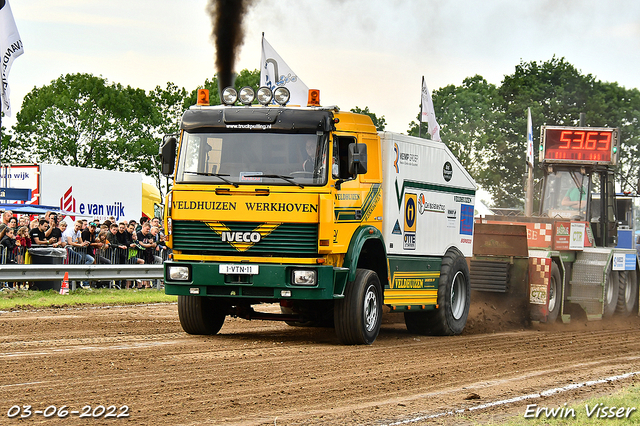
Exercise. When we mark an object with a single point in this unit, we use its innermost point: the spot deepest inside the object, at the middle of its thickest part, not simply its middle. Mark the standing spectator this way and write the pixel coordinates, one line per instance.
(6, 216)
(133, 247)
(54, 231)
(89, 235)
(75, 245)
(156, 222)
(38, 236)
(95, 245)
(124, 241)
(34, 223)
(157, 255)
(24, 220)
(9, 244)
(143, 220)
(23, 241)
(85, 225)
(13, 223)
(145, 239)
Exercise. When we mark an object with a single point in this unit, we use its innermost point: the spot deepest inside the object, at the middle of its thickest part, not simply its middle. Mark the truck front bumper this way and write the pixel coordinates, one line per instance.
(260, 281)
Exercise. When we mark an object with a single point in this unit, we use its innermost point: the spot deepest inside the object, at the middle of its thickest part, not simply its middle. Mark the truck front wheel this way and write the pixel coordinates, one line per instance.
(454, 299)
(358, 315)
(200, 315)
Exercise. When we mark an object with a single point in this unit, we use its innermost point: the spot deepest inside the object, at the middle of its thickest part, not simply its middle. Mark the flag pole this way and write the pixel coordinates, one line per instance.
(420, 115)
(528, 201)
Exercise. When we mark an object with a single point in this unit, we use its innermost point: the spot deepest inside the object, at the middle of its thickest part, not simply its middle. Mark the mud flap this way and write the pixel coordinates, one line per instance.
(539, 274)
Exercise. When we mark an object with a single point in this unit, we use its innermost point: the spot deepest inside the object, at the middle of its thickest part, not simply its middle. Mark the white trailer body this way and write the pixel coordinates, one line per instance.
(429, 198)
(93, 193)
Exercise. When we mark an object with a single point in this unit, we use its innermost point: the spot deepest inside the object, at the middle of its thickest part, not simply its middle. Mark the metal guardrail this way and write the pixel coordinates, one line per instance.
(22, 273)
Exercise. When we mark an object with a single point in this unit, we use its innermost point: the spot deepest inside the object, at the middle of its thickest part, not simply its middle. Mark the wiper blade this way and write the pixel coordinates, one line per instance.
(286, 178)
(218, 175)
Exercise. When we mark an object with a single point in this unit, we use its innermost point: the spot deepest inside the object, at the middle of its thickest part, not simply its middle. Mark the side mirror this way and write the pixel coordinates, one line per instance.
(168, 154)
(357, 158)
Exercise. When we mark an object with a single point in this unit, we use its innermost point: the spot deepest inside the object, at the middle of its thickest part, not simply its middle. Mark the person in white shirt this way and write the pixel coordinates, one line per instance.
(76, 247)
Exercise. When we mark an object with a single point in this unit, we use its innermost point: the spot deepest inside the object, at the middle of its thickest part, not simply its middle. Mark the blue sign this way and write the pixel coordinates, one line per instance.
(15, 194)
(466, 219)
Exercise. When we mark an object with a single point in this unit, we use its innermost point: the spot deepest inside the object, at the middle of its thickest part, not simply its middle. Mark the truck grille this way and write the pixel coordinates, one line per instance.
(287, 239)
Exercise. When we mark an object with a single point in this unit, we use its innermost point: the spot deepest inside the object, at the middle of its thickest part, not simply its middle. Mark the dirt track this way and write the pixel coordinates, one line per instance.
(269, 373)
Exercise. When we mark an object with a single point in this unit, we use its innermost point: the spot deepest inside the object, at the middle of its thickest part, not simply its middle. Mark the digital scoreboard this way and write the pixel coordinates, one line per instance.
(583, 145)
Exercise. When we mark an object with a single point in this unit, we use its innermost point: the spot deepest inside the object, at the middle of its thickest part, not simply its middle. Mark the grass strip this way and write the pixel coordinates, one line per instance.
(25, 299)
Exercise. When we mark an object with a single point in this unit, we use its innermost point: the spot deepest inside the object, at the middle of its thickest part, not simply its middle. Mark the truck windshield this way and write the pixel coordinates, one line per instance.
(565, 194)
(253, 158)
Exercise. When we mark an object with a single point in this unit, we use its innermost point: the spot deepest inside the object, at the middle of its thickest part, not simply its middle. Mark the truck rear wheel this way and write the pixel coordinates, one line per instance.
(358, 315)
(611, 289)
(200, 315)
(555, 293)
(454, 299)
(627, 293)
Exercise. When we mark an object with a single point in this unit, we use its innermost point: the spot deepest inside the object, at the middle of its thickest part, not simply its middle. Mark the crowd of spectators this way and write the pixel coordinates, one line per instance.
(84, 241)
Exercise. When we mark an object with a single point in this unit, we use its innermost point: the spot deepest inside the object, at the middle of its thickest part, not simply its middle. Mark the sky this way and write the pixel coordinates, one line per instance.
(357, 52)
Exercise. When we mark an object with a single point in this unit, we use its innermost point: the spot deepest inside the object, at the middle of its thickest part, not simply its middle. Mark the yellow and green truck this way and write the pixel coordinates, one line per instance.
(312, 209)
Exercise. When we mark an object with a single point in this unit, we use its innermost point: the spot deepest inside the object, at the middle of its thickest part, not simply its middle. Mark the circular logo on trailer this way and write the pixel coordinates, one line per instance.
(421, 203)
(410, 212)
(447, 171)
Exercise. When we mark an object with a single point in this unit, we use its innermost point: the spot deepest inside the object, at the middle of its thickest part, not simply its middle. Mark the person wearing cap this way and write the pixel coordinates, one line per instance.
(89, 235)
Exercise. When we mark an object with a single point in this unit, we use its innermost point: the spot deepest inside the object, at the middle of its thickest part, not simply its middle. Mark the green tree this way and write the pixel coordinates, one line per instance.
(169, 102)
(82, 120)
(380, 123)
(485, 126)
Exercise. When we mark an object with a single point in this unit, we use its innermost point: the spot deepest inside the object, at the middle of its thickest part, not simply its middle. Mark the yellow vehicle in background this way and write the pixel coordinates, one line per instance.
(151, 201)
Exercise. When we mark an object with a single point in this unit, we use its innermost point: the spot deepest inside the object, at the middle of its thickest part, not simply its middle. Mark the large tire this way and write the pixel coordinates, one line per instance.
(454, 299)
(200, 315)
(611, 289)
(627, 293)
(555, 293)
(357, 317)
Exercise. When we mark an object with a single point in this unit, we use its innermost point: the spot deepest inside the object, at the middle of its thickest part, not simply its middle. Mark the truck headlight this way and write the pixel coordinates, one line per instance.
(229, 96)
(304, 277)
(281, 95)
(246, 95)
(178, 273)
(265, 95)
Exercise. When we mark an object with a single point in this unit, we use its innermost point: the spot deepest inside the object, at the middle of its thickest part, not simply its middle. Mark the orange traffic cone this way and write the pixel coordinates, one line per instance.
(64, 288)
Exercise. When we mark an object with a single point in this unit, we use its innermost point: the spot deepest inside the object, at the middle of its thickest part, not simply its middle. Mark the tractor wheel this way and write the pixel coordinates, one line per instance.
(200, 315)
(454, 299)
(611, 290)
(357, 317)
(555, 293)
(628, 293)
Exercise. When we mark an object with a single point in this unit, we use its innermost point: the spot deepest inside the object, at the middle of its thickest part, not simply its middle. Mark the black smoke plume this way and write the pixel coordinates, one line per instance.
(228, 35)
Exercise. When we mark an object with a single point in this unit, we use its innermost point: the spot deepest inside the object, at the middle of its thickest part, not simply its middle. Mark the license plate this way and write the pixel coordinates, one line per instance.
(239, 269)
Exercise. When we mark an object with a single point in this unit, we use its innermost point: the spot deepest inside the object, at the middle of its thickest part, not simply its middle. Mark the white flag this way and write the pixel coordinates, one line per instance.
(428, 114)
(11, 48)
(529, 138)
(274, 72)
